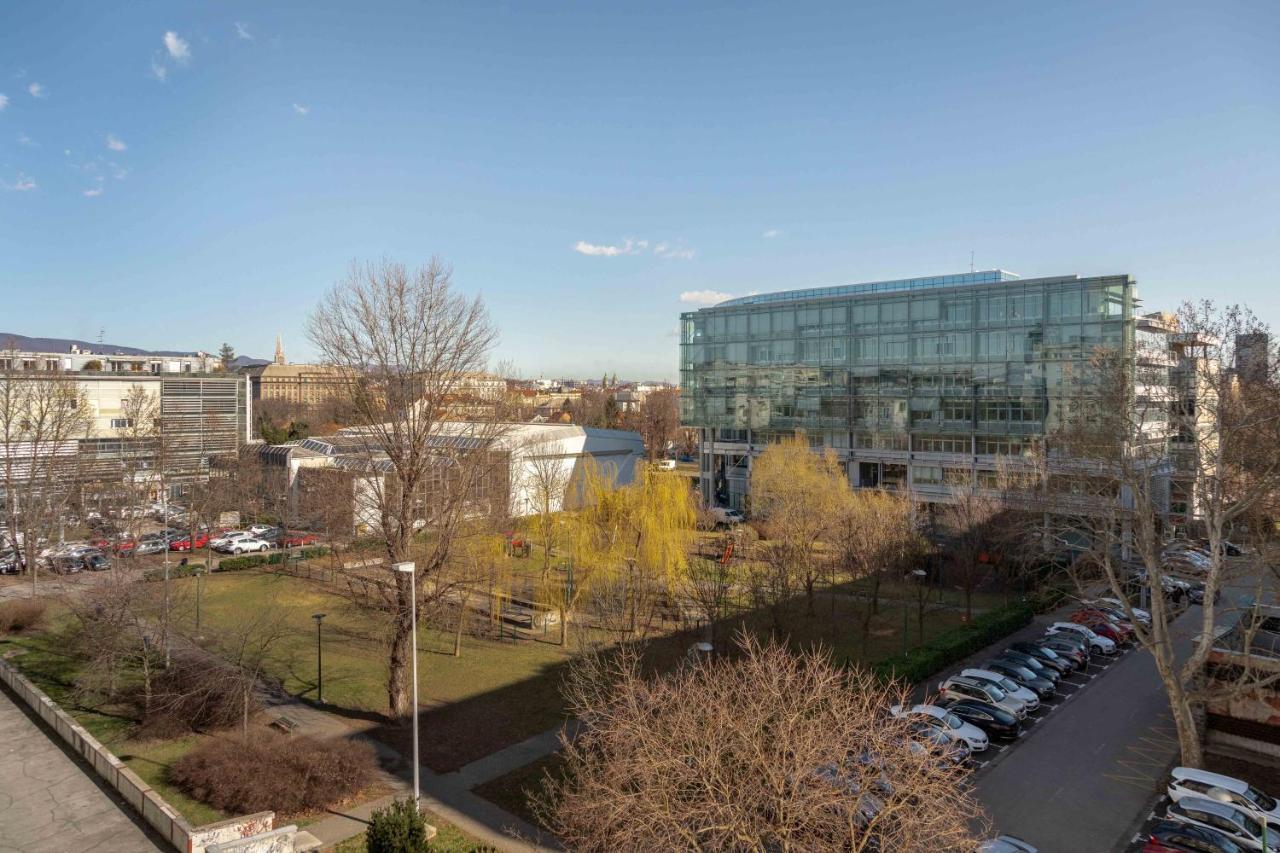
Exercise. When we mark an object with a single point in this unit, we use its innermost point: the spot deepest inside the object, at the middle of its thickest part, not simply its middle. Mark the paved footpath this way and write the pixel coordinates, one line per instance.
(50, 801)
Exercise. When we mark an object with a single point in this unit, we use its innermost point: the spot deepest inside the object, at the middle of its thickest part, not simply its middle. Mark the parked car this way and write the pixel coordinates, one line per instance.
(1041, 688)
(125, 547)
(97, 562)
(1170, 836)
(1026, 696)
(67, 565)
(297, 539)
(1195, 593)
(961, 687)
(9, 564)
(185, 544)
(1101, 627)
(259, 529)
(665, 465)
(1077, 653)
(1045, 655)
(949, 723)
(224, 541)
(1038, 668)
(1193, 782)
(1097, 644)
(245, 545)
(943, 745)
(996, 722)
(1006, 844)
(150, 546)
(1233, 822)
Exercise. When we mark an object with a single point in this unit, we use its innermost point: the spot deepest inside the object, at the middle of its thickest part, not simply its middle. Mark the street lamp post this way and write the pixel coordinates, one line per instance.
(319, 617)
(411, 570)
(913, 575)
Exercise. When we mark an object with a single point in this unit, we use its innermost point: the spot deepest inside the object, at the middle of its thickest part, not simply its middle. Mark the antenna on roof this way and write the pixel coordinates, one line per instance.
(971, 260)
(101, 333)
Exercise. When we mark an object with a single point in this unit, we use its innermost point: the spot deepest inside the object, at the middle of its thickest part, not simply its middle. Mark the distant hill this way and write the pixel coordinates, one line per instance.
(29, 344)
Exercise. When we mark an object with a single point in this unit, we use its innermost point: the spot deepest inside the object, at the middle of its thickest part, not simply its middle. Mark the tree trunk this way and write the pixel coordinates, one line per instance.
(462, 618)
(1188, 732)
(398, 678)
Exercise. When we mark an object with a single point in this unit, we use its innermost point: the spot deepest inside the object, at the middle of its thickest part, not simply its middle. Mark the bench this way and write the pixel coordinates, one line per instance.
(288, 725)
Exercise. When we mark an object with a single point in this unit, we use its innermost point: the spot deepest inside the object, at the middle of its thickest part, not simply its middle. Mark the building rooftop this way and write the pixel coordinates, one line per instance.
(955, 280)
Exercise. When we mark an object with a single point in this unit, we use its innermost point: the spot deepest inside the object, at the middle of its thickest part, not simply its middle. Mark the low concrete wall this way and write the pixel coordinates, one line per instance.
(274, 841)
(162, 817)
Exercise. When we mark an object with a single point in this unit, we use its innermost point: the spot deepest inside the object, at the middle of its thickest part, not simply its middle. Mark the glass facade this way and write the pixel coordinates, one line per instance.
(941, 375)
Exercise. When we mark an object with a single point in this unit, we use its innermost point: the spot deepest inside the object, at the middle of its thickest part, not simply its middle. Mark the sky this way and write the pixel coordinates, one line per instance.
(177, 174)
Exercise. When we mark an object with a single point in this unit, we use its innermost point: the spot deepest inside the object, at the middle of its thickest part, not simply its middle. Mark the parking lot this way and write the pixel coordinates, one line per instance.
(1068, 688)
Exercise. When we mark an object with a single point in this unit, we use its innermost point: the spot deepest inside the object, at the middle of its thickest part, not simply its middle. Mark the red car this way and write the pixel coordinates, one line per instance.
(1101, 627)
(184, 544)
(297, 539)
(100, 543)
(1125, 629)
(124, 547)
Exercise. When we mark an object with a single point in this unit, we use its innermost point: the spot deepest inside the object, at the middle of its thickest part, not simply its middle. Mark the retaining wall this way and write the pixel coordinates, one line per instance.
(162, 817)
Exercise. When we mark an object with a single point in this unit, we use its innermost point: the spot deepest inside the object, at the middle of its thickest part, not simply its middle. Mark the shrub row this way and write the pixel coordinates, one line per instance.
(274, 558)
(956, 644)
(21, 614)
(235, 564)
(175, 571)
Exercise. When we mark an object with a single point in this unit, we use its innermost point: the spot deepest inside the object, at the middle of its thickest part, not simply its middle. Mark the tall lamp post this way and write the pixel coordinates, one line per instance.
(913, 575)
(319, 617)
(411, 570)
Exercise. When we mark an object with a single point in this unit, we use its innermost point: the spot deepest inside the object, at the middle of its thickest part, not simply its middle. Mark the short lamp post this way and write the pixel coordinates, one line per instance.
(319, 617)
(916, 575)
(411, 570)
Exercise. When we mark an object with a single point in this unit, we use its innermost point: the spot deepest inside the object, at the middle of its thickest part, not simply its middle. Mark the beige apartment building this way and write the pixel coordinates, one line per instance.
(303, 384)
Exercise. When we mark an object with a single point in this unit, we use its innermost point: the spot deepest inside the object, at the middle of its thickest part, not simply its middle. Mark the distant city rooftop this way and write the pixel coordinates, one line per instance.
(979, 277)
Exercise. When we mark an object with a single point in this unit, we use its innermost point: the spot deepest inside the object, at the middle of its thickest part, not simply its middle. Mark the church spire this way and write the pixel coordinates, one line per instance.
(279, 351)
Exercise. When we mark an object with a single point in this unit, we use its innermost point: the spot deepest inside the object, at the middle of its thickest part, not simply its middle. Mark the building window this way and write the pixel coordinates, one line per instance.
(121, 423)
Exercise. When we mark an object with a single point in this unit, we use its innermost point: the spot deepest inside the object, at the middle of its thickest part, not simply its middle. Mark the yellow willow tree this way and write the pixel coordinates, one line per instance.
(798, 493)
(629, 547)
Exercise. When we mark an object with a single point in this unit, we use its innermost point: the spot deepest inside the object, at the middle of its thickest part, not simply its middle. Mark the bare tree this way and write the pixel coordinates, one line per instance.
(1167, 442)
(969, 523)
(402, 342)
(43, 413)
(765, 750)
(658, 421)
(543, 480)
(875, 534)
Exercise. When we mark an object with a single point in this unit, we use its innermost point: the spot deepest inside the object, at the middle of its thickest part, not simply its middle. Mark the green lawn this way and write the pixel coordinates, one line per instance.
(50, 667)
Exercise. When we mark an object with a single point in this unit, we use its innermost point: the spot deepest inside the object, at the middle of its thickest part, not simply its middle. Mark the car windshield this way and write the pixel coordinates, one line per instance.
(952, 720)
(1260, 799)
(996, 694)
(1008, 685)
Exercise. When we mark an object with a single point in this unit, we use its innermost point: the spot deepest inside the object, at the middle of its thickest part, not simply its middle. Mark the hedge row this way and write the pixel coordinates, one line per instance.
(273, 558)
(235, 564)
(956, 644)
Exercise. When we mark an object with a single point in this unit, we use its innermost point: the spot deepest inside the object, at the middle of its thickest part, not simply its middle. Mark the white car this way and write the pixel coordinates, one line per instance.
(1007, 684)
(1116, 604)
(1235, 823)
(1193, 782)
(224, 542)
(950, 723)
(963, 687)
(244, 546)
(259, 529)
(1005, 844)
(1097, 643)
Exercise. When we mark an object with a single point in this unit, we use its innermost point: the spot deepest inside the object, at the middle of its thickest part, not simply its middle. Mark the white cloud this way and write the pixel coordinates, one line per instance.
(93, 193)
(37, 91)
(158, 70)
(115, 143)
(628, 247)
(23, 184)
(4, 101)
(177, 46)
(704, 297)
(242, 32)
(676, 252)
(300, 109)
(23, 139)
(771, 233)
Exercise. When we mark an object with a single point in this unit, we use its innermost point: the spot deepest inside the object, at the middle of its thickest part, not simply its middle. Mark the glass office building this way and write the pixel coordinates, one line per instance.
(922, 382)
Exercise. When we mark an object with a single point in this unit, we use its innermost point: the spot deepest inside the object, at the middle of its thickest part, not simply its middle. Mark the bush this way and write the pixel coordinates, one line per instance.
(195, 693)
(22, 614)
(175, 571)
(399, 828)
(276, 772)
(275, 558)
(956, 644)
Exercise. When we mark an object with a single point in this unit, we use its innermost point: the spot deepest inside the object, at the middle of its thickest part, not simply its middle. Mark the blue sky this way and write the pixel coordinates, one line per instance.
(583, 165)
